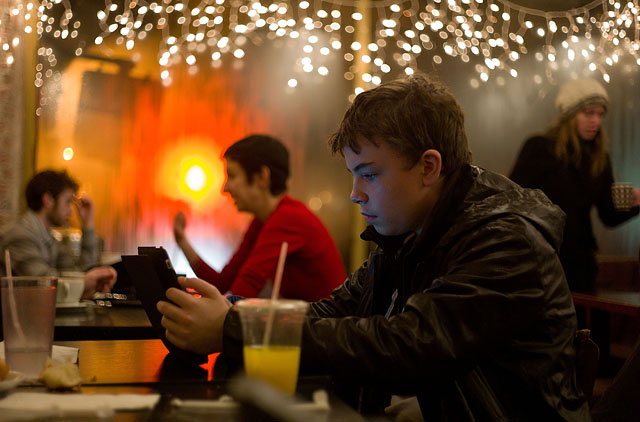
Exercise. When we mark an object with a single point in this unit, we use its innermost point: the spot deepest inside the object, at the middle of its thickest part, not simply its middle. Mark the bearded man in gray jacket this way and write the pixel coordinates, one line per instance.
(34, 250)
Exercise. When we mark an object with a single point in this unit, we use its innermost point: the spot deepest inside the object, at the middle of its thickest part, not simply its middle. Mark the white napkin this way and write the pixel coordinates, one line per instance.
(59, 354)
(319, 403)
(75, 405)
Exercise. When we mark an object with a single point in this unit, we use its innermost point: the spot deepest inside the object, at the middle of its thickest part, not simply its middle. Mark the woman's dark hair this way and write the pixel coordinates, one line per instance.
(48, 181)
(256, 151)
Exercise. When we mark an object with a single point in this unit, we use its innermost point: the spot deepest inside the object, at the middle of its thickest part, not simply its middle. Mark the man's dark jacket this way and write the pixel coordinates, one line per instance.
(482, 326)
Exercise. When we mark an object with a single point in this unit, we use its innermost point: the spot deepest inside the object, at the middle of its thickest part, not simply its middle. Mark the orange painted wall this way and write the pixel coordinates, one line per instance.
(130, 158)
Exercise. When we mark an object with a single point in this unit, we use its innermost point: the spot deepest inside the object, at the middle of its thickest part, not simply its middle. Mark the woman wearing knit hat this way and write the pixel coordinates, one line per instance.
(571, 165)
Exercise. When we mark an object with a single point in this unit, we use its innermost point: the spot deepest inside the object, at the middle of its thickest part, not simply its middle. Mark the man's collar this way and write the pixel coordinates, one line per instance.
(387, 243)
(44, 232)
(455, 189)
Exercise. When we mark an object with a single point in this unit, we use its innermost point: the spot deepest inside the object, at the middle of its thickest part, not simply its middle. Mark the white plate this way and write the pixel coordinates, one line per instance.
(72, 305)
(11, 381)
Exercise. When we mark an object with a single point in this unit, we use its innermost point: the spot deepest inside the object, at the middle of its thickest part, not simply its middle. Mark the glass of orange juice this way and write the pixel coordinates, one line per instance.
(271, 331)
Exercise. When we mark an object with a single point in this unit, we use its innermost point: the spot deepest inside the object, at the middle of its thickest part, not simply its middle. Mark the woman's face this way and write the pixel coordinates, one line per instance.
(243, 191)
(589, 120)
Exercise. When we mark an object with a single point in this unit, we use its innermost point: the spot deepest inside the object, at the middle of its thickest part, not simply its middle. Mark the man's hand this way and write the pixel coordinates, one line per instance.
(99, 279)
(195, 323)
(86, 211)
(179, 224)
(636, 197)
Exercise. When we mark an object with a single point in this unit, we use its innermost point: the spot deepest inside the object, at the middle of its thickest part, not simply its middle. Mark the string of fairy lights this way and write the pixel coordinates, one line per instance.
(492, 36)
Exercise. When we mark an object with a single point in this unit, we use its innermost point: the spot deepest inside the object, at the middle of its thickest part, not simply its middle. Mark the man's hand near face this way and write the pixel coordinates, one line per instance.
(86, 210)
(195, 323)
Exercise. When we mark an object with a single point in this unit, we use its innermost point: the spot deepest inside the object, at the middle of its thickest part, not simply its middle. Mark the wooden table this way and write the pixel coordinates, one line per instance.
(103, 323)
(144, 367)
(614, 301)
(106, 362)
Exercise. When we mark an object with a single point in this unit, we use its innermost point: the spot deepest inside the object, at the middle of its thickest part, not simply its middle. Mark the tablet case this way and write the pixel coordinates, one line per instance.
(152, 274)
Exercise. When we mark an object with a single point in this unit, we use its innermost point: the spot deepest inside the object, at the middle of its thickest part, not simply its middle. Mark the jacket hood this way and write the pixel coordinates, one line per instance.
(492, 194)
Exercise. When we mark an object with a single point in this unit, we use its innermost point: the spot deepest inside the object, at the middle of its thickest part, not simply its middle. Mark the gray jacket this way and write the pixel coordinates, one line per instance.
(34, 250)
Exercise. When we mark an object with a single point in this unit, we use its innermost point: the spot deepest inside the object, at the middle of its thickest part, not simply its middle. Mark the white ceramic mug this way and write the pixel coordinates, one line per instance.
(70, 289)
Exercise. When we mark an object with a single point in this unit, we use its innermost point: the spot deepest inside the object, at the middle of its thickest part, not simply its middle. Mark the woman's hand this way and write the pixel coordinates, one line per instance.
(179, 225)
(636, 197)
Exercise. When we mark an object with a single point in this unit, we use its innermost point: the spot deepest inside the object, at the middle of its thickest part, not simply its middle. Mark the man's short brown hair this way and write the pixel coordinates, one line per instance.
(412, 115)
(52, 182)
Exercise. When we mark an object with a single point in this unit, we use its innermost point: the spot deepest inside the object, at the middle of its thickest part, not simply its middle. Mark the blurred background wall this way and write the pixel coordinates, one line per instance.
(135, 136)
(135, 141)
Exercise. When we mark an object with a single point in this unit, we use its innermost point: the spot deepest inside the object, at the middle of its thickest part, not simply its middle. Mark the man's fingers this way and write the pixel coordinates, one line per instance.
(191, 322)
(105, 278)
(177, 341)
(103, 287)
(173, 321)
(84, 200)
(200, 286)
(103, 273)
(180, 298)
(174, 327)
(171, 311)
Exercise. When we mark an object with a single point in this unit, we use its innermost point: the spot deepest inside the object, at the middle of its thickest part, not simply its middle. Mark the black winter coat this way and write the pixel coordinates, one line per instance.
(483, 325)
(574, 190)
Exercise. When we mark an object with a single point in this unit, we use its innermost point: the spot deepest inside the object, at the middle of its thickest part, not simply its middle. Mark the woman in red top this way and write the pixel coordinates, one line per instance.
(257, 171)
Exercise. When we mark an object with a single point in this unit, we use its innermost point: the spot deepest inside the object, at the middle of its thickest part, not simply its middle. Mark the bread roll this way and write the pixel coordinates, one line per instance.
(61, 377)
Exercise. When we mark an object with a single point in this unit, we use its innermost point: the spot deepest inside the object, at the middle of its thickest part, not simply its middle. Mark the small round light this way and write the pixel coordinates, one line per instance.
(67, 154)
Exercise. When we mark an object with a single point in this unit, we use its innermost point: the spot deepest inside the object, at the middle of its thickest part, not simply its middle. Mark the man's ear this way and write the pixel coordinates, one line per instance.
(263, 177)
(431, 162)
(48, 201)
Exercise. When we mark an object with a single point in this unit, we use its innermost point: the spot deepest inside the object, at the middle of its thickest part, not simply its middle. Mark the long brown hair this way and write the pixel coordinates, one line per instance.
(568, 147)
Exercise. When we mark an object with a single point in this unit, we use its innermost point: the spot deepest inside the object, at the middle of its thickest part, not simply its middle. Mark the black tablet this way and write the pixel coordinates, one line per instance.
(162, 266)
(152, 274)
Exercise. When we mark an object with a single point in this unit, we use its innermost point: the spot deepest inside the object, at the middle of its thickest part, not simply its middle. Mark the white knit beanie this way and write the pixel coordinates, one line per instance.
(579, 93)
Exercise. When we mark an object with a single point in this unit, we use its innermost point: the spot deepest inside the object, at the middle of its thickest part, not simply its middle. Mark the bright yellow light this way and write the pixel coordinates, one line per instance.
(191, 171)
(67, 154)
(195, 178)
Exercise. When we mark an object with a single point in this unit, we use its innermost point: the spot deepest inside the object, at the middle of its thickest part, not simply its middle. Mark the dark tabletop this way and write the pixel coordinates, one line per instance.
(144, 367)
(93, 322)
(614, 301)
